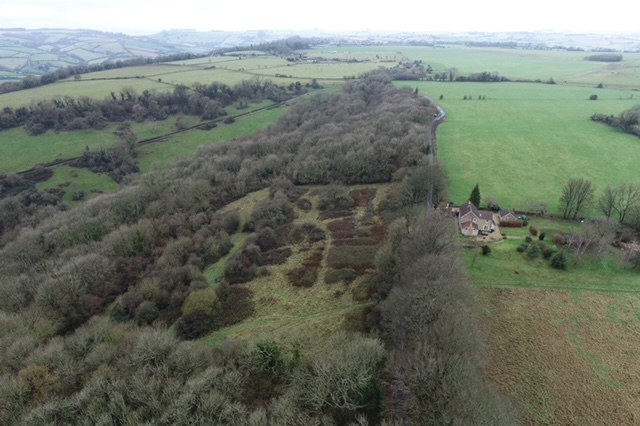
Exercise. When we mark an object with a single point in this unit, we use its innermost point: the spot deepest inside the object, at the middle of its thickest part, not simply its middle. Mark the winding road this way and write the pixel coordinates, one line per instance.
(432, 143)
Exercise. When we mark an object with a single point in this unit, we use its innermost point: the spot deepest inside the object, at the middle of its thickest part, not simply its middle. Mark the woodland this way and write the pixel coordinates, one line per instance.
(102, 305)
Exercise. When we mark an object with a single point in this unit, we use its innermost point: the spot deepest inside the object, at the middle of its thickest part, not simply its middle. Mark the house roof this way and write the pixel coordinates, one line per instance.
(469, 224)
(469, 207)
(504, 213)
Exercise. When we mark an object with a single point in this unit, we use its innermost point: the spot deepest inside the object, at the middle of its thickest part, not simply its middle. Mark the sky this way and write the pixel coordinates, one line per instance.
(139, 17)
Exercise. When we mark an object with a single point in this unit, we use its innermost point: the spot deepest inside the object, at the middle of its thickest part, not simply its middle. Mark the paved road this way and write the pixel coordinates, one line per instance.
(432, 143)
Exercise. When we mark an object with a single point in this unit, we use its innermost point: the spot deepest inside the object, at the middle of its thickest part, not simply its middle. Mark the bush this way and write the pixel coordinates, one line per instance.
(605, 57)
(542, 236)
(534, 251)
(302, 277)
(559, 239)
(559, 260)
(547, 253)
(522, 248)
(204, 300)
(533, 230)
(267, 239)
(486, 250)
(333, 197)
(336, 275)
(528, 239)
(194, 325)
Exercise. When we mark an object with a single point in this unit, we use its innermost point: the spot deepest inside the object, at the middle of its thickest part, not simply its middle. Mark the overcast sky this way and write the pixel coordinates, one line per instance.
(147, 16)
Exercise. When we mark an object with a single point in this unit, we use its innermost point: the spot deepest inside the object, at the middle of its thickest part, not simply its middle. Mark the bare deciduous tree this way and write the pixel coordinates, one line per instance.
(577, 196)
(627, 198)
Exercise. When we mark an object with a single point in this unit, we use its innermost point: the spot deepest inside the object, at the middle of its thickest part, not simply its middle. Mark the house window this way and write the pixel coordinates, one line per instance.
(486, 227)
(475, 220)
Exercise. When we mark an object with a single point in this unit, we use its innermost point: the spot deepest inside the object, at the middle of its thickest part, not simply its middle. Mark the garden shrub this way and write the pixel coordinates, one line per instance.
(559, 239)
(486, 250)
(559, 260)
(534, 251)
(533, 230)
(511, 224)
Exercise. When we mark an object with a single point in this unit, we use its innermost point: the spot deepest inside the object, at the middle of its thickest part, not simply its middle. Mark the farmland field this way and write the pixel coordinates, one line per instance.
(525, 140)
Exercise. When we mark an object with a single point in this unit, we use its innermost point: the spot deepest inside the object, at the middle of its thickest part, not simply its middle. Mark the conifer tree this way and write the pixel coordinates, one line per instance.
(475, 196)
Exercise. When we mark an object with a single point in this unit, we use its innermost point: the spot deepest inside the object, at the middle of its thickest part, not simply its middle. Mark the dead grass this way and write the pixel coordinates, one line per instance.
(570, 358)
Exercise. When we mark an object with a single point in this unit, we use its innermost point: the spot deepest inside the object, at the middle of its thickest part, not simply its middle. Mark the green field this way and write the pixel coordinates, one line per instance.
(94, 88)
(525, 140)
(186, 144)
(75, 180)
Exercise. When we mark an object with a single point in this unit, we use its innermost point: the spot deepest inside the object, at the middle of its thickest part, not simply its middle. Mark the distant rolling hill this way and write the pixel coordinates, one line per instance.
(40, 51)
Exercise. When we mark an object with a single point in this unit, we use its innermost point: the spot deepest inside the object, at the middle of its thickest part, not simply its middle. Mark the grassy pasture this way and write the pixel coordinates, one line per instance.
(20, 151)
(186, 144)
(254, 63)
(325, 70)
(71, 179)
(525, 140)
(151, 70)
(93, 88)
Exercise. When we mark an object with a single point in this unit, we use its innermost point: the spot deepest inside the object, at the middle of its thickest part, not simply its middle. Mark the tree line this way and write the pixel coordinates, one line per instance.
(628, 121)
(205, 100)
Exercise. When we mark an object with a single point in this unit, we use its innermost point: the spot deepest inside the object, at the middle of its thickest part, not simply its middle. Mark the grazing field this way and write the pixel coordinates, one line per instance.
(93, 88)
(21, 151)
(186, 144)
(525, 140)
(307, 315)
(71, 180)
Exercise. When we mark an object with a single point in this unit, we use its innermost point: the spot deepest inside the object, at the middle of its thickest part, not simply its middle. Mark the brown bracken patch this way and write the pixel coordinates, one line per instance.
(276, 257)
(362, 197)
